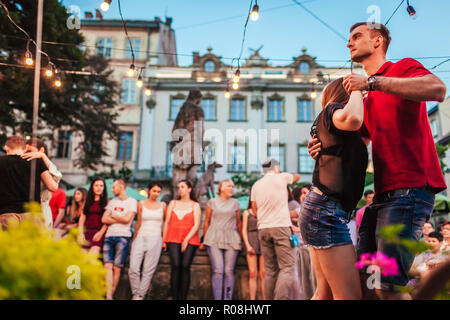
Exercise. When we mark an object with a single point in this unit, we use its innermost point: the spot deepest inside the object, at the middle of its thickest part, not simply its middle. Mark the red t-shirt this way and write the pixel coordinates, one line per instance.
(403, 150)
(58, 201)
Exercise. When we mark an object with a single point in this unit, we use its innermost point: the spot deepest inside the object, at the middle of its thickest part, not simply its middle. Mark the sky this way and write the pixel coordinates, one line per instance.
(284, 28)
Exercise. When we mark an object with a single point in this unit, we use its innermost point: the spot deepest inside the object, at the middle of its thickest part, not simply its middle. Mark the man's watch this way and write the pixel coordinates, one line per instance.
(371, 81)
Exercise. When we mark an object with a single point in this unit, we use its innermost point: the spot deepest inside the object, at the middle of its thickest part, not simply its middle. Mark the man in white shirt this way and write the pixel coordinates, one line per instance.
(118, 215)
(269, 203)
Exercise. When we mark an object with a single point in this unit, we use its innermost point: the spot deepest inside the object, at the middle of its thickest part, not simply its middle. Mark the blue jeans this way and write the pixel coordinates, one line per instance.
(409, 207)
(115, 250)
(222, 261)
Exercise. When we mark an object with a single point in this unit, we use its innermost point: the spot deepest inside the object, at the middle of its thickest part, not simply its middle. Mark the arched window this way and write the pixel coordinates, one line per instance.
(209, 66)
(304, 67)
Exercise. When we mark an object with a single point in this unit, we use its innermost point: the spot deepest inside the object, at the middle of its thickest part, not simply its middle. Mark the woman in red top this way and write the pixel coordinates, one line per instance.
(90, 224)
(181, 238)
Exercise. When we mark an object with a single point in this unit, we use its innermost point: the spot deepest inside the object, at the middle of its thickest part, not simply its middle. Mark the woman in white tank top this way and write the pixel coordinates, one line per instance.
(147, 241)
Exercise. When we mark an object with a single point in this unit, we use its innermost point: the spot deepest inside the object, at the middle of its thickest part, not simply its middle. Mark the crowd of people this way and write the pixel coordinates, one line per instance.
(302, 244)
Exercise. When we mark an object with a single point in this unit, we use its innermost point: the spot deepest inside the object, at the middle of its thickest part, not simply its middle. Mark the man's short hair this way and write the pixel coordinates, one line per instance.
(379, 29)
(15, 142)
(367, 192)
(436, 235)
(121, 181)
(270, 165)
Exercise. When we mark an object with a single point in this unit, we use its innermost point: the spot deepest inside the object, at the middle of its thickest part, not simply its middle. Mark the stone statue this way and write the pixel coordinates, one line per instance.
(187, 140)
(205, 183)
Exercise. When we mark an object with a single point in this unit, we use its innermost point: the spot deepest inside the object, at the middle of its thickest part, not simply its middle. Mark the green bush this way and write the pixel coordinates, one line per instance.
(35, 265)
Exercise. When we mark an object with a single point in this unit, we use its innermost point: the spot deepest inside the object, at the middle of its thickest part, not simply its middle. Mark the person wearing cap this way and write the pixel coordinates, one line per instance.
(270, 207)
(187, 136)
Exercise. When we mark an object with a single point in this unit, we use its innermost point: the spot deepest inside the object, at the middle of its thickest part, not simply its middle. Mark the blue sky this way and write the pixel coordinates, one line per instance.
(284, 28)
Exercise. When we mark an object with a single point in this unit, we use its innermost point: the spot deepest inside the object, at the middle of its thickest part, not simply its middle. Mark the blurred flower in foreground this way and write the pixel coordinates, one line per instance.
(388, 266)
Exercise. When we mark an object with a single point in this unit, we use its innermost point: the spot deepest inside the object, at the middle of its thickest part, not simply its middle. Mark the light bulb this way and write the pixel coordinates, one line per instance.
(235, 86)
(255, 13)
(313, 94)
(139, 82)
(148, 92)
(28, 58)
(49, 72)
(105, 5)
(412, 13)
(58, 83)
(237, 76)
(131, 71)
(227, 94)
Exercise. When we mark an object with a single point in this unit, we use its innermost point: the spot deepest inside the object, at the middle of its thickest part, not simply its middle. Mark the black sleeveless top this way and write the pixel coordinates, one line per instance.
(341, 167)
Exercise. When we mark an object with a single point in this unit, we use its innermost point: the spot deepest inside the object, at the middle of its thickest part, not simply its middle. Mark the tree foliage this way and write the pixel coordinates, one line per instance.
(84, 104)
(36, 266)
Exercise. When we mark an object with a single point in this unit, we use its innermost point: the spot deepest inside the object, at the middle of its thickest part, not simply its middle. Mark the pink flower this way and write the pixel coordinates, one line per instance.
(388, 266)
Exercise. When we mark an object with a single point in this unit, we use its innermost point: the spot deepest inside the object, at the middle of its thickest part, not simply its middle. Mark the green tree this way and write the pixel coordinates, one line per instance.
(85, 103)
(34, 265)
(441, 151)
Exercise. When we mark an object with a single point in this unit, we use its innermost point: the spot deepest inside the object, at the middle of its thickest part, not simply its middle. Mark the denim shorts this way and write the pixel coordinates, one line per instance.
(323, 223)
(115, 250)
(409, 207)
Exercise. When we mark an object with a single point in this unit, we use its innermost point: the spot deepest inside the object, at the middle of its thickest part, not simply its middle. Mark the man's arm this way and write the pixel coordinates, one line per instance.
(126, 218)
(107, 218)
(422, 88)
(296, 177)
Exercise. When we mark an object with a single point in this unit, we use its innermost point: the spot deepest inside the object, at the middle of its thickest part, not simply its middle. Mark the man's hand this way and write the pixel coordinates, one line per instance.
(355, 82)
(314, 147)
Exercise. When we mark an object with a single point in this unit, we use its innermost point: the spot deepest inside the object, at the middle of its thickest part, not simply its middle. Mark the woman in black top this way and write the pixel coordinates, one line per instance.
(338, 181)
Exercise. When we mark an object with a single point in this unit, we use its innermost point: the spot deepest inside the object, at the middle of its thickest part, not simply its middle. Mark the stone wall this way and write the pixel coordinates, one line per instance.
(200, 287)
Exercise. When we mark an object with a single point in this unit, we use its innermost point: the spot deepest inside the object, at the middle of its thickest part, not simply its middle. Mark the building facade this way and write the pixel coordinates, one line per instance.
(153, 43)
(269, 115)
(439, 117)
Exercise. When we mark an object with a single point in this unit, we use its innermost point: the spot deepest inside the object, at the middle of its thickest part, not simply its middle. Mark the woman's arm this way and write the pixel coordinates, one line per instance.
(195, 227)
(239, 222)
(207, 222)
(139, 220)
(166, 222)
(60, 217)
(81, 222)
(351, 117)
(244, 230)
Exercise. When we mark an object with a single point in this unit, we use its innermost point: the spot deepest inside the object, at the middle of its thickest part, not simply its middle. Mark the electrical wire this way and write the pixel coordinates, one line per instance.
(321, 21)
(393, 13)
(126, 32)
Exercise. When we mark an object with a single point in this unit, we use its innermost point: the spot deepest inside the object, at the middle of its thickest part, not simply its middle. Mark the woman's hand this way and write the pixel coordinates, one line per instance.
(251, 251)
(164, 246)
(184, 245)
(33, 155)
(202, 246)
(97, 237)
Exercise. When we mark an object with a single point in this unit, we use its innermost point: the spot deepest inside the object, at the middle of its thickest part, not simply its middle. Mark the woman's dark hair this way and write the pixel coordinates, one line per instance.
(91, 196)
(298, 191)
(335, 92)
(154, 183)
(189, 185)
(38, 143)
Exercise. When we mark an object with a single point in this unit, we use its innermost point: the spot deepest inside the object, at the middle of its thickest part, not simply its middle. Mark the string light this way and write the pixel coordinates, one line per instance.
(28, 58)
(313, 92)
(255, 12)
(148, 91)
(235, 86)
(410, 9)
(139, 82)
(237, 76)
(58, 82)
(131, 70)
(49, 71)
(105, 5)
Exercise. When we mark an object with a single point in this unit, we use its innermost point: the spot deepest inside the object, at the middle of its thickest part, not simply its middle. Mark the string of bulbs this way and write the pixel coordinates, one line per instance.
(51, 69)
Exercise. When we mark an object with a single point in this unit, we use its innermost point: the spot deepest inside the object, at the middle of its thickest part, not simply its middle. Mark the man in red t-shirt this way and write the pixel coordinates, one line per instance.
(57, 203)
(407, 173)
